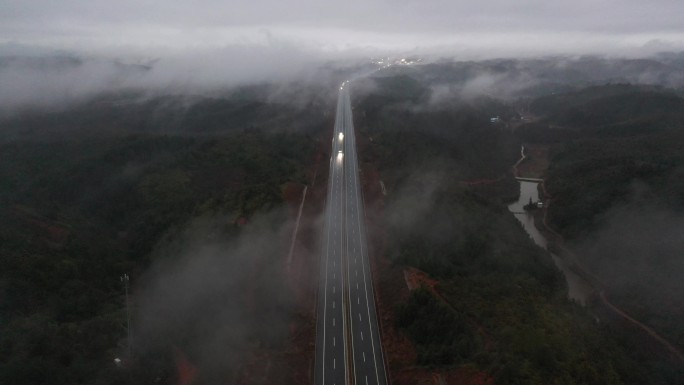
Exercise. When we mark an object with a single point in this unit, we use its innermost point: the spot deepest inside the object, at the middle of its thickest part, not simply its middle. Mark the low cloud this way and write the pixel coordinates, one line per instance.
(410, 207)
(213, 299)
(413, 199)
(637, 252)
(55, 79)
(46, 81)
(33, 77)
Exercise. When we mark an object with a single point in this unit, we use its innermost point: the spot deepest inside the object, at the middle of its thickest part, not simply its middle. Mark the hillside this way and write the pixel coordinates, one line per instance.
(100, 190)
(493, 306)
(192, 196)
(615, 179)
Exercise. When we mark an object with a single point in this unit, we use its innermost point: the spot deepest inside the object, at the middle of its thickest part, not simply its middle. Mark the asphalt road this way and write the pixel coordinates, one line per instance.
(348, 348)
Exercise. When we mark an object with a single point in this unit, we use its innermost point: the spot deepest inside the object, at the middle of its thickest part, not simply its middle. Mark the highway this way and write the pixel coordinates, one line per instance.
(348, 346)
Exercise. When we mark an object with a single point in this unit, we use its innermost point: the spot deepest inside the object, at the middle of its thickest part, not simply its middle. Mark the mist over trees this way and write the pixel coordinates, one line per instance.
(109, 168)
(501, 295)
(615, 182)
(100, 190)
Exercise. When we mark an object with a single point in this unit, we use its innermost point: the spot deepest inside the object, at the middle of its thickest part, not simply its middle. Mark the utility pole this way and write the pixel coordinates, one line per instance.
(125, 279)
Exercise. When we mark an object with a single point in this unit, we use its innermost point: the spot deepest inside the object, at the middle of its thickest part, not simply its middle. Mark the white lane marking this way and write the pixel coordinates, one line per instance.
(327, 258)
(365, 286)
(334, 362)
(344, 124)
(334, 289)
(361, 336)
(357, 300)
(359, 317)
(364, 356)
(345, 273)
(333, 304)
(357, 286)
(356, 272)
(333, 341)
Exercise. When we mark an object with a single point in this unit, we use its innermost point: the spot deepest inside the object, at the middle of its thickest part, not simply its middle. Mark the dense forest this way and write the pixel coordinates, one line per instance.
(500, 304)
(617, 193)
(185, 195)
(97, 191)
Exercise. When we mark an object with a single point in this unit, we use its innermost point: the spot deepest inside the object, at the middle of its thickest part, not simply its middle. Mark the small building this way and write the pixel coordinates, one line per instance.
(533, 205)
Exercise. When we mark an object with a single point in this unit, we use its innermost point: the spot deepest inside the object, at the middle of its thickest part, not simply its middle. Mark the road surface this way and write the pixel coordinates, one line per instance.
(348, 349)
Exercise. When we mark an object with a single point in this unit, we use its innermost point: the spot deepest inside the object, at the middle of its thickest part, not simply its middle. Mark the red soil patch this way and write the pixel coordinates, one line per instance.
(292, 193)
(392, 284)
(409, 375)
(185, 371)
(425, 376)
(416, 278)
(467, 376)
(388, 279)
(291, 363)
(390, 292)
(257, 368)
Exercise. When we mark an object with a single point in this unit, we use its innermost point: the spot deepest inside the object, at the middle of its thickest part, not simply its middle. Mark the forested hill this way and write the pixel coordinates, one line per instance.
(606, 138)
(487, 304)
(616, 109)
(88, 192)
(264, 107)
(616, 183)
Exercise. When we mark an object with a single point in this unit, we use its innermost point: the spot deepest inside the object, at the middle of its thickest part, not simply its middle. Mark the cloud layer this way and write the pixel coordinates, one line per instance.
(530, 25)
(213, 299)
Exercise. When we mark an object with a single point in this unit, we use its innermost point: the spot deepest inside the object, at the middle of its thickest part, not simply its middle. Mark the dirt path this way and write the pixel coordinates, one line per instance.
(669, 346)
(516, 172)
(294, 233)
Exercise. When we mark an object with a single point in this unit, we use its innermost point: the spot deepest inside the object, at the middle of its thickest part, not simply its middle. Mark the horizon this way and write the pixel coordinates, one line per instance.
(486, 29)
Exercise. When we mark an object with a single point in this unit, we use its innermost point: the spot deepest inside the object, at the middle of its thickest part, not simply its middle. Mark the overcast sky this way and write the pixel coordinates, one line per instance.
(476, 26)
(193, 46)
